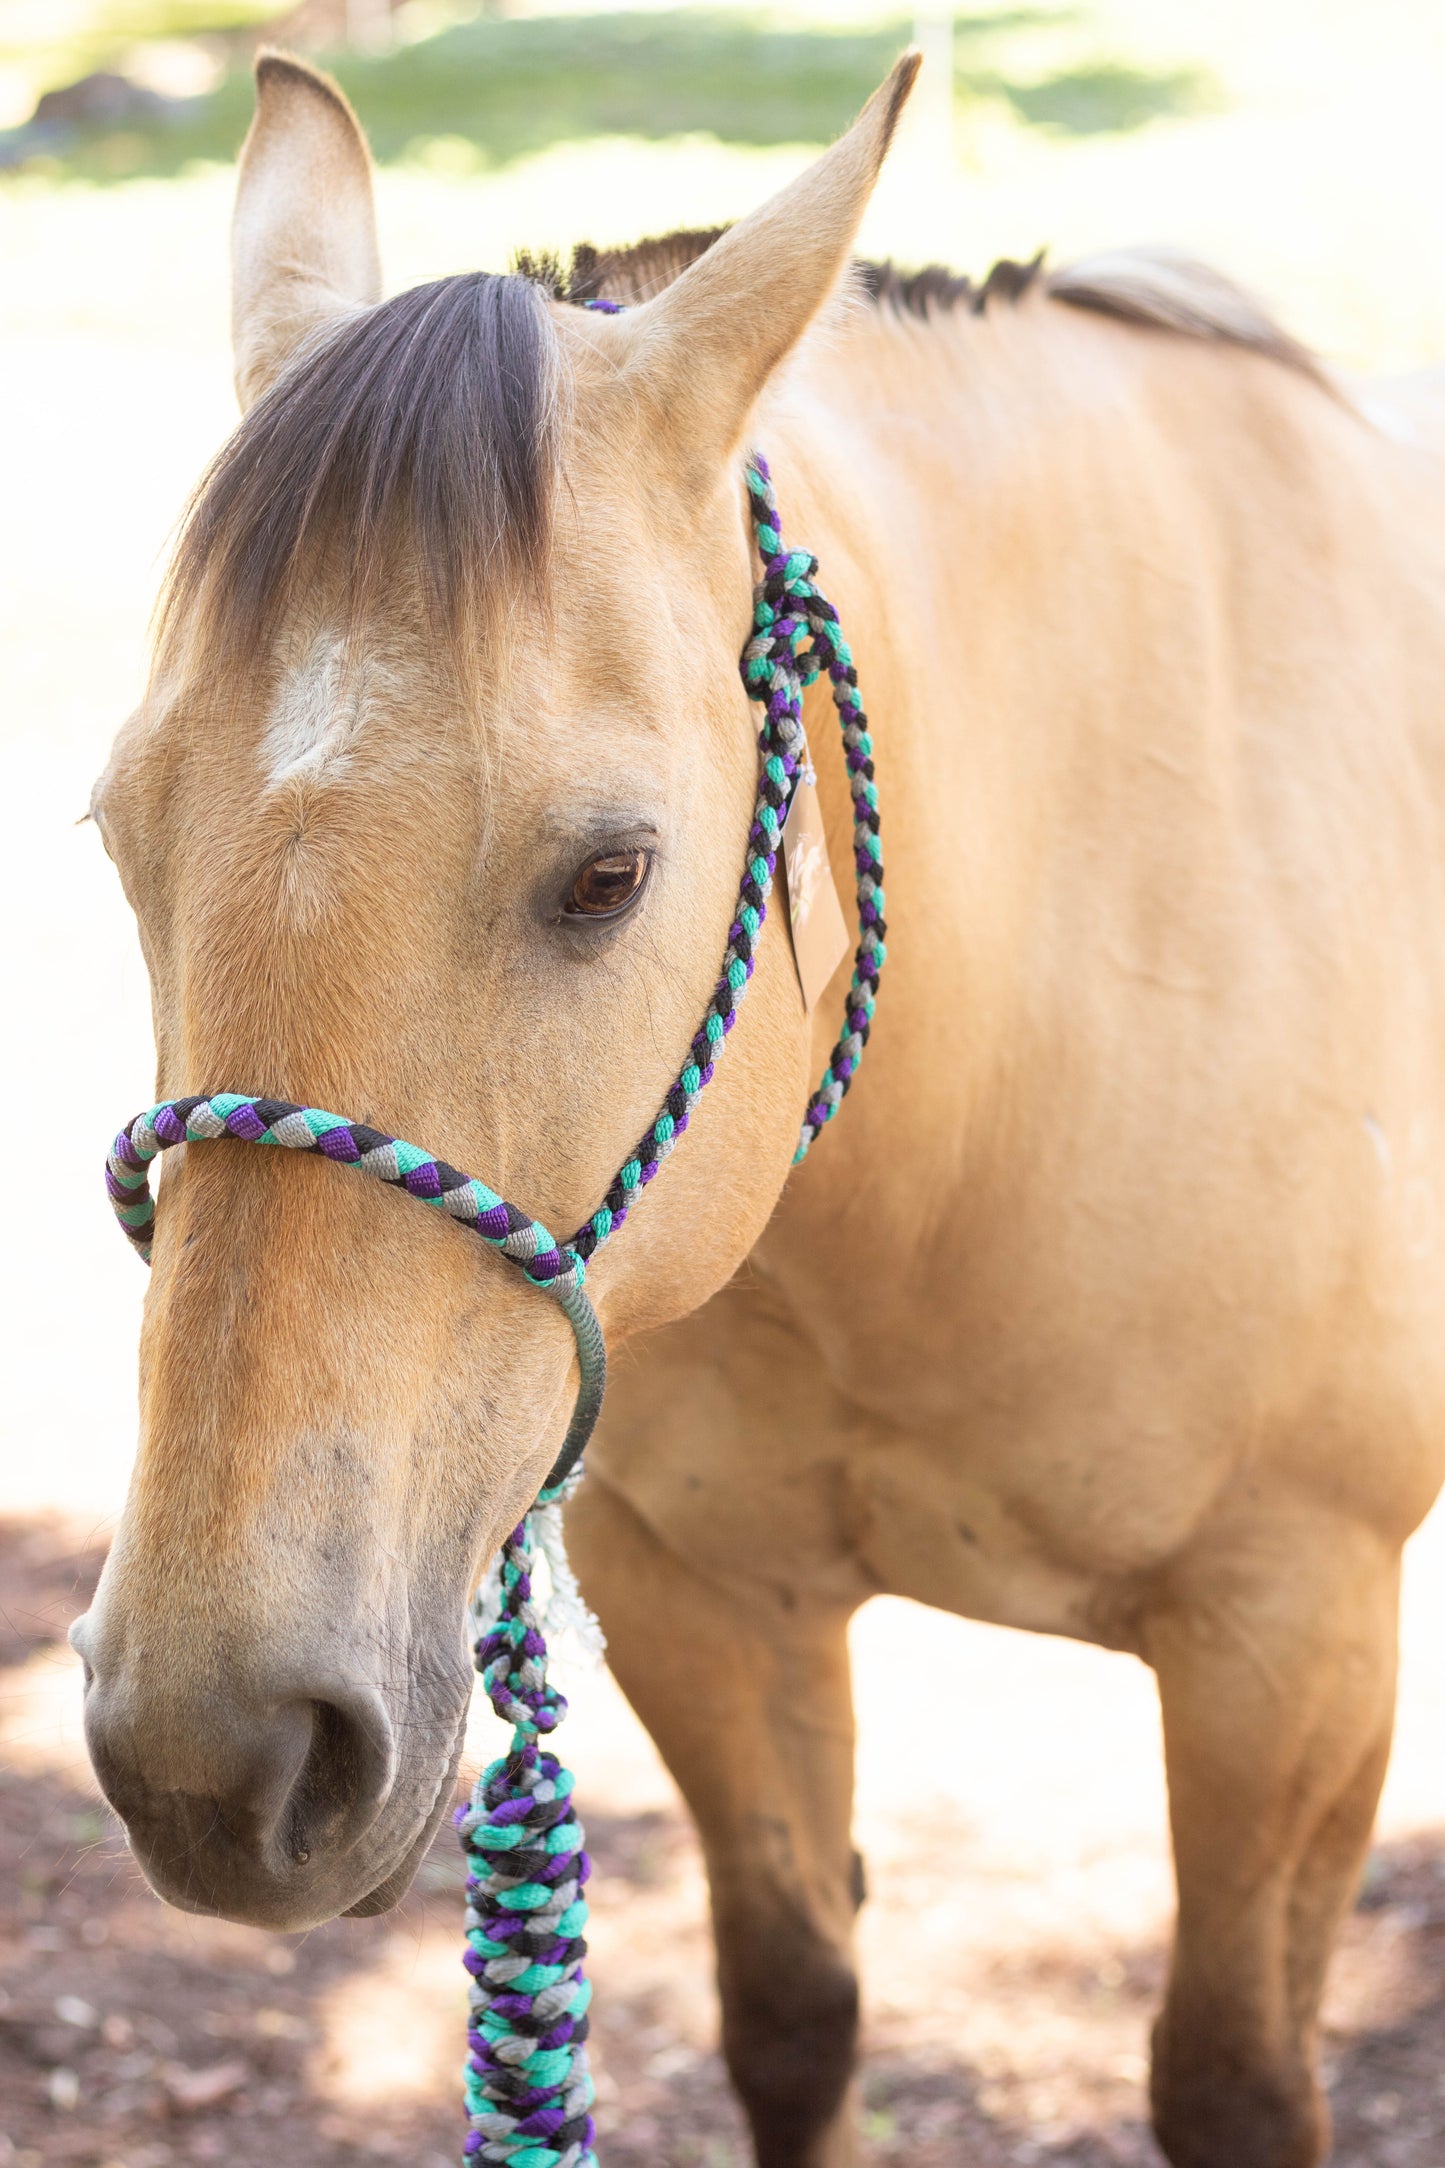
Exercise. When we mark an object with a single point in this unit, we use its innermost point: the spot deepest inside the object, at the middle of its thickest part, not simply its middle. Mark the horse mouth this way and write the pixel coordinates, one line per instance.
(390, 1891)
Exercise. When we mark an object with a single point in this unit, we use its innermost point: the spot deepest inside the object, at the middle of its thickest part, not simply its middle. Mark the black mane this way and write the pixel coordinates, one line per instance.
(429, 418)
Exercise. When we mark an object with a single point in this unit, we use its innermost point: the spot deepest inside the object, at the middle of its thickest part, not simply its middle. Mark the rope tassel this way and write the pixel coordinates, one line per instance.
(529, 2091)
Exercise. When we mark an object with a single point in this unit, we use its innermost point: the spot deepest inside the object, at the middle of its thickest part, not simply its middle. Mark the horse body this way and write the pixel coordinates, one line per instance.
(1110, 1310)
(1117, 1315)
(1125, 1208)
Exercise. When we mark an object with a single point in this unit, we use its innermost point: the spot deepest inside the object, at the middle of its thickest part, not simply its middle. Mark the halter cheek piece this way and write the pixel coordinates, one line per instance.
(528, 2091)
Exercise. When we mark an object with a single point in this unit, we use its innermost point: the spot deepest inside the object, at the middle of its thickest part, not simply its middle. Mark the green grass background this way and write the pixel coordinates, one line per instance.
(497, 90)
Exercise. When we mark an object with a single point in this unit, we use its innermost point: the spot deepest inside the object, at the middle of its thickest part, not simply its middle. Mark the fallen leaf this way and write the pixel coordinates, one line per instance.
(64, 2090)
(190, 2089)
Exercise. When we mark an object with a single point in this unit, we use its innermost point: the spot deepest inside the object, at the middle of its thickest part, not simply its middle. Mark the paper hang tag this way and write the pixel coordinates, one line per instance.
(815, 916)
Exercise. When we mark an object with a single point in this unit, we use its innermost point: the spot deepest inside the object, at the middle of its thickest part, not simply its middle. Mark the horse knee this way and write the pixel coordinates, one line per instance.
(1215, 2108)
(790, 2032)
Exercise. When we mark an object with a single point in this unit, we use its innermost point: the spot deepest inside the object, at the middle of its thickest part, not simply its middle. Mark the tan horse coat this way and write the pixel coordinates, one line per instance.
(1109, 1306)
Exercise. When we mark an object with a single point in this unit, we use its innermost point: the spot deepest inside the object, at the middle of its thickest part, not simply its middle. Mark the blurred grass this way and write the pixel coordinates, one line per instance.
(47, 43)
(59, 39)
(483, 93)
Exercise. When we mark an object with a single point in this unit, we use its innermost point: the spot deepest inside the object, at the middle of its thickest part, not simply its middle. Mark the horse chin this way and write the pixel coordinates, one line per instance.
(389, 1893)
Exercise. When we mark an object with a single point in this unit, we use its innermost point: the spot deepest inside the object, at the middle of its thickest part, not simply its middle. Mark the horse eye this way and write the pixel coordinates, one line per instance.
(606, 885)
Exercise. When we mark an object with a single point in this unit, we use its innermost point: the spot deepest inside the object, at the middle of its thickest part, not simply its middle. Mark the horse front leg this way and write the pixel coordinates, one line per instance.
(750, 1703)
(1274, 1645)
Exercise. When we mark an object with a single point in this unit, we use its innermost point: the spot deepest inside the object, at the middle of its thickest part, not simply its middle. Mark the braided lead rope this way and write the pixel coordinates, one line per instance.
(795, 639)
(550, 1267)
(528, 2089)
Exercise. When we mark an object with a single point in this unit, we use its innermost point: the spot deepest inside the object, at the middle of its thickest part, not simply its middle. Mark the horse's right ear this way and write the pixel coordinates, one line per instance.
(698, 355)
(303, 242)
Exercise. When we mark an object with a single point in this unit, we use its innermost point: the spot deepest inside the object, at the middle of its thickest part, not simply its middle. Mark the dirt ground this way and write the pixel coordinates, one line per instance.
(134, 2037)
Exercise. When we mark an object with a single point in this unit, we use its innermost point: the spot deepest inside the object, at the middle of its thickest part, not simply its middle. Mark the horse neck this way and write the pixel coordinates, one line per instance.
(890, 445)
(1030, 523)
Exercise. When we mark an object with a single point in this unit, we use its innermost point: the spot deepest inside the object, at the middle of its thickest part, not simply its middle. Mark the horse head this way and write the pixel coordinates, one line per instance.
(434, 813)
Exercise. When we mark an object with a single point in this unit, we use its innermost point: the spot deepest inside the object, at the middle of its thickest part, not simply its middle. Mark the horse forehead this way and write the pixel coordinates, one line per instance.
(335, 694)
(345, 710)
(314, 714)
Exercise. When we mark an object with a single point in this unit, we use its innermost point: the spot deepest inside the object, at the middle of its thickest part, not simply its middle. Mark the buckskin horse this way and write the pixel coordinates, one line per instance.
(1111, 1306)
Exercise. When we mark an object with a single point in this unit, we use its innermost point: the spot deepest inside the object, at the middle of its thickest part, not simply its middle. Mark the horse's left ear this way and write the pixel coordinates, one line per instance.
(699, 354)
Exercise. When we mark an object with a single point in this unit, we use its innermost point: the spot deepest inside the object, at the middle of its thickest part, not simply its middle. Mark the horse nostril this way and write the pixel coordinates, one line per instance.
(345, 1779)
(243, 1804)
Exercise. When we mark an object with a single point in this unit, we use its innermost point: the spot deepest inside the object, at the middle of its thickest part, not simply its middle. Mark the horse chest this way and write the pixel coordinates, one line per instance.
(1056, 1538)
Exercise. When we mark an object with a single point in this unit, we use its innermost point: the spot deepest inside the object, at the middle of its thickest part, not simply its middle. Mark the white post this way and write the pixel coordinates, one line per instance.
(368, 25)
(932, 100)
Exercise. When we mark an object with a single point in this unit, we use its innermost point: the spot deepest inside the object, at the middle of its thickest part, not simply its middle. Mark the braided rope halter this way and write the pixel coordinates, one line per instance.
(528, 2091)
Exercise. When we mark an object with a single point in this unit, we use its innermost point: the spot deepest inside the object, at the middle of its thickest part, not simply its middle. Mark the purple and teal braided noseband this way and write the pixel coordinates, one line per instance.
(528, 2091)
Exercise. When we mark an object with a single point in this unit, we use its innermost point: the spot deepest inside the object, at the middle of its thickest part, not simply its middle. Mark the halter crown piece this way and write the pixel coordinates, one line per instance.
(528, 2092)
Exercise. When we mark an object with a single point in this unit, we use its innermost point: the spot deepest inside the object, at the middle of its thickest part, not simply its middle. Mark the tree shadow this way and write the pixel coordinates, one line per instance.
(1381, 2047)
(490, 92)
(46, 1580)
(135, 2036)
(1384, 2076)
(131, 2034)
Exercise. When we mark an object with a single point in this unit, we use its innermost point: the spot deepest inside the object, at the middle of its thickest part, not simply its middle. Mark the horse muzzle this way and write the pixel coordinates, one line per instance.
(276, 1802)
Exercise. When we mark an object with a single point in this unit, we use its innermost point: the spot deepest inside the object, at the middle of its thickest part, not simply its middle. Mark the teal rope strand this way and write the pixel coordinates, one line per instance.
(551, 1267)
